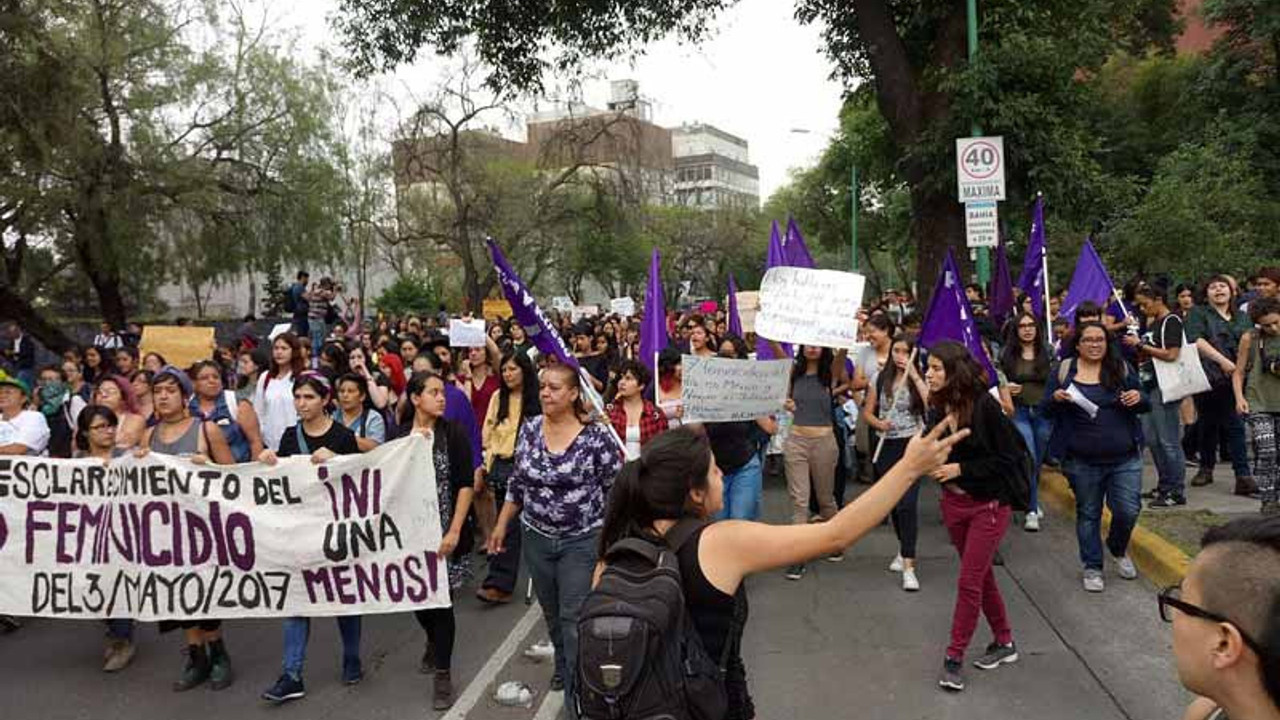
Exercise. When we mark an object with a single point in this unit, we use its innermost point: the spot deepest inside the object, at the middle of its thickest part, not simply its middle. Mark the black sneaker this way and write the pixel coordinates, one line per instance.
(1167, 501)
(285, 689)
(795, 572)
(952, 677)
(1151, 494)
(996, 656)
(557, 683)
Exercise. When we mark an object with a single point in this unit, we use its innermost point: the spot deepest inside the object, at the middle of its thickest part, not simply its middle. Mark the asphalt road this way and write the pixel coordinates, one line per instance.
(843, 642)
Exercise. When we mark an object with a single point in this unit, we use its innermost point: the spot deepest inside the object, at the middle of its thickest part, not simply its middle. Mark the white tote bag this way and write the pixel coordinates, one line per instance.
(1183, 377)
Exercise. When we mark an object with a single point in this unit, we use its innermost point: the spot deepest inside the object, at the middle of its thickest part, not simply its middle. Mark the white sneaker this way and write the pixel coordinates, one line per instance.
(1126, 569)
(1032, 523)
(910, 582)
(896, 565)
(1093, 581)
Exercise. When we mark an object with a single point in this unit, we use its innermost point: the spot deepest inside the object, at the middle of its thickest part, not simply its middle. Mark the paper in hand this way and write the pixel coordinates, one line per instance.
(1082, 402)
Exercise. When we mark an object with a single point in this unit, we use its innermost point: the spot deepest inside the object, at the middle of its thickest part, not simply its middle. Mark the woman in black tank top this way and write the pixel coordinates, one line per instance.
(676, 478)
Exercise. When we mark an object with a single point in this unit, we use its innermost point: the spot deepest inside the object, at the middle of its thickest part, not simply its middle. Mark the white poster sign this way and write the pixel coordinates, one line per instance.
(624, 306)
(279, 330)
(562, 303)
(748, 308)
(810, 307)
(980, 168)
(159, 538)
(981, 224)
(726, 390)
(583, 311)
(466, 333)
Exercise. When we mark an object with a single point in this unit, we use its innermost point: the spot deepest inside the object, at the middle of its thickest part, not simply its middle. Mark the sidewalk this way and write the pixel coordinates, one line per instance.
(1165, 539)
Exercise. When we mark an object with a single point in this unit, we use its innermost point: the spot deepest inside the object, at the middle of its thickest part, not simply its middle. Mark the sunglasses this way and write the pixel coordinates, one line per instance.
(1171, 597)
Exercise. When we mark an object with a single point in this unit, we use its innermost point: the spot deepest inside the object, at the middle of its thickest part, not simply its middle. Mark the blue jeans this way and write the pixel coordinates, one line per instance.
(317, 331)
(1121, 485)
(1035, 429)
(742, 489)
(297, 630)
(1162, 427)
(561, 569)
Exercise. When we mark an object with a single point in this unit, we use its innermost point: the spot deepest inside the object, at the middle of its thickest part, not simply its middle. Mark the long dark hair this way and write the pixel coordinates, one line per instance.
(889, 376)
(530, 405)
(1012, 351)
(86, 419)
(801, 365)
(656, 486)
(966, 382)
(296, 363)
(1113, 364)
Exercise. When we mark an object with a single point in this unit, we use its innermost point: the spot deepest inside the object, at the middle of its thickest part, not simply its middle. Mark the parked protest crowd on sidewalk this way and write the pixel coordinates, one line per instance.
(555, 438)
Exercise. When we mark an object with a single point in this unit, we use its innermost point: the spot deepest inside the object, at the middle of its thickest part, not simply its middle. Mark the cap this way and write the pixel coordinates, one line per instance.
(183, 381)
(7, 379)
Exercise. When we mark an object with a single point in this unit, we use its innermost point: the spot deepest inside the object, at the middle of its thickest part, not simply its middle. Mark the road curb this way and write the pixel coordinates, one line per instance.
(1159, 560)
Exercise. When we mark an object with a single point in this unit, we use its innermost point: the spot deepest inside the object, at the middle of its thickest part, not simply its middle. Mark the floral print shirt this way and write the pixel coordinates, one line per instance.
(563, 495)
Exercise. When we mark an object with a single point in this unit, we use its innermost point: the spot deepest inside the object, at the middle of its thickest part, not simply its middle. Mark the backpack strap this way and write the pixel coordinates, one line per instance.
(637, 546)
(302, 439)
(682, 532)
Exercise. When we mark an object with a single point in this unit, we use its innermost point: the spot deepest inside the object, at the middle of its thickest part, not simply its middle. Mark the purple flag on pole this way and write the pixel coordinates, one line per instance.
(1032, 281)
(1089, 283)
(735, 321)
(794, 247)
(653, 331)
(526, 311)
(777, 258)
(1000, 298)
(951, 318)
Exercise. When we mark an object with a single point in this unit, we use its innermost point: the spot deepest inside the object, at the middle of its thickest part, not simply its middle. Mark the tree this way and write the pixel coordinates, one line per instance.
(412, 295)
(133, 127)
(913, 53)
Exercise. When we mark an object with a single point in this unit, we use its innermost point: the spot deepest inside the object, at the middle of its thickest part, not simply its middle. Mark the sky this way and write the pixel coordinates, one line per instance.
(761, 76)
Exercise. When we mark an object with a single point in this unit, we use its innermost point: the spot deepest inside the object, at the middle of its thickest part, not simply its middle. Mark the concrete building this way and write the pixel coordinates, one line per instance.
(713, 168)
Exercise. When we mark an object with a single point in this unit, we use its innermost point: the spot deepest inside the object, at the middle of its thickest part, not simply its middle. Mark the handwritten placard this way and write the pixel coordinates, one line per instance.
(624, 306)
(159, 538)
(466, 333)
(726, 390)
(810, 307)
(562, 303)
(580, 312)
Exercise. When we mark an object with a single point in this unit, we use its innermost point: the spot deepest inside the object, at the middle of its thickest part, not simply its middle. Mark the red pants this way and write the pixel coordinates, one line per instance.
(976, 529)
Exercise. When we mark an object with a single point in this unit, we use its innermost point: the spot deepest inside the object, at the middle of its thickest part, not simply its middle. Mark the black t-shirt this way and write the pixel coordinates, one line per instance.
(597, 366)
(337, 439)
(1163, 333)
(732, 444)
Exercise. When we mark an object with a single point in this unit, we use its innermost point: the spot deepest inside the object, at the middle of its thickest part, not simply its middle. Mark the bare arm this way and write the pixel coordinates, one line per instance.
(734, 549)
(214, 445)
(1209, 351)
(248, 419)
(1237, 377)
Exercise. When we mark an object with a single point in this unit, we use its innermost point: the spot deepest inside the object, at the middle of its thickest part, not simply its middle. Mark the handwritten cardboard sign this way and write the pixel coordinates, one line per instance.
(810, 307)
(726, 390)
(181, 347)
(624, 306)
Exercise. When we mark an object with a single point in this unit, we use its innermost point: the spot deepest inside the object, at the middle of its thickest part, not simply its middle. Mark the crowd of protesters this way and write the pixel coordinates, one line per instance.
(526, 467)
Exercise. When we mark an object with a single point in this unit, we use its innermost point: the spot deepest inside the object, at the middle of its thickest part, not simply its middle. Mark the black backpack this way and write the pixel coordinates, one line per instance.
(639, 655)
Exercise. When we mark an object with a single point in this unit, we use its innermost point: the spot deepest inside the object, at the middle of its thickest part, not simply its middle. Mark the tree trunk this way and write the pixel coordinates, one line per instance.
(17, 308)
(936, 226)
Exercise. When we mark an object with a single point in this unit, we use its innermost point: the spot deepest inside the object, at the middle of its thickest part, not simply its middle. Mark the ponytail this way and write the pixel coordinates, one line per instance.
(656, 486)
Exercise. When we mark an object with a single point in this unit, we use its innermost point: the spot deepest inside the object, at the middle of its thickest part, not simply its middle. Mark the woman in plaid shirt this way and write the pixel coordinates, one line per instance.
(636, 419)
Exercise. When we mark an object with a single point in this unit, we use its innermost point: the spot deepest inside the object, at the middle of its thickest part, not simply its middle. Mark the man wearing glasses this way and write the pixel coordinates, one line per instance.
(1226, 622)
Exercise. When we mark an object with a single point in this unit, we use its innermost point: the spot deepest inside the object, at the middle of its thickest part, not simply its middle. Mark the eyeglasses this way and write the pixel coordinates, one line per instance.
(1171, 597)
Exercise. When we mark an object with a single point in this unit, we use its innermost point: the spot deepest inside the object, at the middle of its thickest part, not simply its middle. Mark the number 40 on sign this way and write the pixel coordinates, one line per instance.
(980, 169)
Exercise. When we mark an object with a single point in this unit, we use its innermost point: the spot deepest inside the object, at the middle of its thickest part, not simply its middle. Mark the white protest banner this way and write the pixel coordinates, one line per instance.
(583, 311)
(160, 538)
(726, 390)
(562, 303)
(466, 333)
(624, 306)
(810, 307)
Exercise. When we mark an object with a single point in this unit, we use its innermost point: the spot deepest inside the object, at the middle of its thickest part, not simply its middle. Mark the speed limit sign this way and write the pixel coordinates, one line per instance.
(980, 168)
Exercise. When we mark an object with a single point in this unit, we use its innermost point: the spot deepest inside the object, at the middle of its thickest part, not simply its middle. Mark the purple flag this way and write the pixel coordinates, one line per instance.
(793, 245)
(1089, 283)
(525, 310)
(951, 318)
(653, 331)
(1032, 281)
(1000, 297)
(777, 258)
(735, 321)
